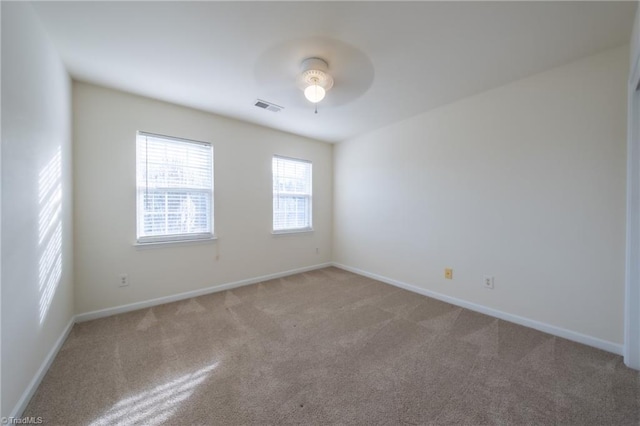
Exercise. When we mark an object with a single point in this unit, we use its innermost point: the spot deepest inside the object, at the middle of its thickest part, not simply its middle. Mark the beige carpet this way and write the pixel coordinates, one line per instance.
(327, 347)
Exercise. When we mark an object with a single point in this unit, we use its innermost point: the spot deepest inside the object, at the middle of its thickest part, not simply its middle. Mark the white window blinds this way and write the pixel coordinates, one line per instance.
(291, 194)
(174, 188)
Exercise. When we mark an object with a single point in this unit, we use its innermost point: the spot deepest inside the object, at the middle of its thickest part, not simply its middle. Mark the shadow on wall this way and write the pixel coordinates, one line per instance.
(50, 231)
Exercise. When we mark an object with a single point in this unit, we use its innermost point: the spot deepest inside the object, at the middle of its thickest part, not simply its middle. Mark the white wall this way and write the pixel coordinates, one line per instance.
(525, 182)
(632, 294)
(37, 293)
(105, 125)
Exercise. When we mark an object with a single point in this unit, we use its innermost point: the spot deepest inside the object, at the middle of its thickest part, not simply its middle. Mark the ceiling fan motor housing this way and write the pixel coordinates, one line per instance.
(314, 72)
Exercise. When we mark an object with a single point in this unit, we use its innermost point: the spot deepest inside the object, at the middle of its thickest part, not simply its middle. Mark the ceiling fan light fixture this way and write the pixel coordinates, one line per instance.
(314, 79)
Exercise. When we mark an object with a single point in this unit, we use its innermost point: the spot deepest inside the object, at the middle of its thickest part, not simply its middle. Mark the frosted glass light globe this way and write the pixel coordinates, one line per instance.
(314, 93)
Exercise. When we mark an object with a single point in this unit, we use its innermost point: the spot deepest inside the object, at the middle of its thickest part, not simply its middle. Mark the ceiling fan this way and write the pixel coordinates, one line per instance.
(299, 73)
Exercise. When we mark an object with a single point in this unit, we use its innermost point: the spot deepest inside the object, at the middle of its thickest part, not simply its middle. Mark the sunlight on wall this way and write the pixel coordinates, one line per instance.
(155, 406)
(50, 231)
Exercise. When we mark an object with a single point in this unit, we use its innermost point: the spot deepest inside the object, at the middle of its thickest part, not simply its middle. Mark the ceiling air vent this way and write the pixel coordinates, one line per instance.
(268, 105)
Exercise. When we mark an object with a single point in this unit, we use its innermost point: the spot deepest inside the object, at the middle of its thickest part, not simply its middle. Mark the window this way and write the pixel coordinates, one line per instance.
(174, 189)
(291, 194)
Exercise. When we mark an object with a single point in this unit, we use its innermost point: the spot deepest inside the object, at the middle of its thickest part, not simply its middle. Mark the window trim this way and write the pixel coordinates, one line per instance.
(292, 231)
(171, 239)
(160, 244)
(305, 229)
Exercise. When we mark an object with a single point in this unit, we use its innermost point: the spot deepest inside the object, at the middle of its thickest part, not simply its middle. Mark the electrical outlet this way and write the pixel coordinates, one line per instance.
(488, 282)
(124, 280)
(448, 273)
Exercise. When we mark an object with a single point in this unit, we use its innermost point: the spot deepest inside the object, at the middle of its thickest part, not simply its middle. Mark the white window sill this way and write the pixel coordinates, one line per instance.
(174, 243)
(292, 231)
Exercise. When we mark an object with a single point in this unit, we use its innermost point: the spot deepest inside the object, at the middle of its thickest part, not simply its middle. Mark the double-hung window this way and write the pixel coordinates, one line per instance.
(174, 189)
(291, 195)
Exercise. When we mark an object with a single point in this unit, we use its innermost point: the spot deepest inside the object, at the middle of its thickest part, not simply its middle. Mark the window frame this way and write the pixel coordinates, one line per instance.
(309, 196)
(173, 238)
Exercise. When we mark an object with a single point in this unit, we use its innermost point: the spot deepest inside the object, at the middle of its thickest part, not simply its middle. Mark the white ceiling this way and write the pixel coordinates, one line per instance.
(390, 60)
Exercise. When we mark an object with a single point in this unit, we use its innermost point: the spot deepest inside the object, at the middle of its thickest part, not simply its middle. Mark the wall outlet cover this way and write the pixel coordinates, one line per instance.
(488, 282)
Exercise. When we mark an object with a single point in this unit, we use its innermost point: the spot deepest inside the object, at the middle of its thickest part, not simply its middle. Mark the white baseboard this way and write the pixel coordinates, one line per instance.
(540, 326)
(35, 382)
(87, 316)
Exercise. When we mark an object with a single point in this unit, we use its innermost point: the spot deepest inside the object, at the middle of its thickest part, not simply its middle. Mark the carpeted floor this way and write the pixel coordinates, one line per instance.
(327, 347)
